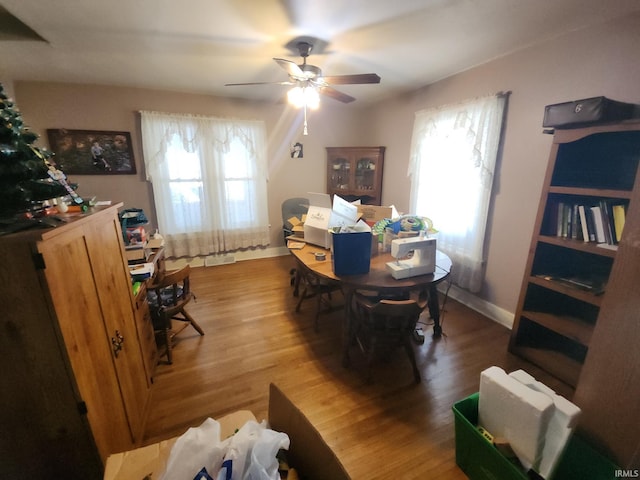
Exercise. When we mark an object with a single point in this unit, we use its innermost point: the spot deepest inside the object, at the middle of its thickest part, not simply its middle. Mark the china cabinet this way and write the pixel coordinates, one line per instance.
(355, 173)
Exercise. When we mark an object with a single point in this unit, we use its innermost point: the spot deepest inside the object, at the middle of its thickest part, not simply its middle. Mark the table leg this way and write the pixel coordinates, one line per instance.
(434, 311)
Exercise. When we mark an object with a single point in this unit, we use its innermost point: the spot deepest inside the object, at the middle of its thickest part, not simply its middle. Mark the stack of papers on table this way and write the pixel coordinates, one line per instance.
(141, 271)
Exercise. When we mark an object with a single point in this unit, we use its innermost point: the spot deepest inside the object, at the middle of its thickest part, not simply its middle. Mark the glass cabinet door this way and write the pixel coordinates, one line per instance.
(355, 173)
(339, 173)
(365, 174)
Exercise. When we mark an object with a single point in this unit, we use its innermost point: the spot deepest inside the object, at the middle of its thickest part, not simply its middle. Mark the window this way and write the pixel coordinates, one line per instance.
(185, 185)
(209, 182)
(453, 156)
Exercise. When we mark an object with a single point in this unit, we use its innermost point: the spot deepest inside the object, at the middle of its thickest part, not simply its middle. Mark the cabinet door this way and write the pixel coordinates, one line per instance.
(367, 176)
(339, 173)
(69, 275)
(355, 173)
(43, 433)
(144, 326)
(113, 286)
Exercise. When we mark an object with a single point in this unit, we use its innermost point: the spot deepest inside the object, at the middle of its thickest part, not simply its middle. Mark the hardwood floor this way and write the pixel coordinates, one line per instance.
(254, 337)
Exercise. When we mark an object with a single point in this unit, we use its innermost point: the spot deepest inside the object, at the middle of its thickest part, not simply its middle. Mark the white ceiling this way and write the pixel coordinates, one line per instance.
(199, 45)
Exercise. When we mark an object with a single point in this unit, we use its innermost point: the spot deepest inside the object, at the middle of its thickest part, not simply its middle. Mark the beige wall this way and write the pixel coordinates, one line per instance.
(89, 107)
(598, 61)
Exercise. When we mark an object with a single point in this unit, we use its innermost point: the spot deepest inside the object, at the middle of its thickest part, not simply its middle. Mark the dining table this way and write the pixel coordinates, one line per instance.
(318, 261)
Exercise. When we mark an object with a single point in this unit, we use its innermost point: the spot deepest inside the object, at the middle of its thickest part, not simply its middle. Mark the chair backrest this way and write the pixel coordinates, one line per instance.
(399, 316)
(172, 290)
(291, 207)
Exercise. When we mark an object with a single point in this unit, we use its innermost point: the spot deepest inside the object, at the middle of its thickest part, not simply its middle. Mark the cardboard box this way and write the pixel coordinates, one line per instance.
(137, 253)
(152, 459)
(322, 216)
(479, 459)
(374, 213)
(308, 453)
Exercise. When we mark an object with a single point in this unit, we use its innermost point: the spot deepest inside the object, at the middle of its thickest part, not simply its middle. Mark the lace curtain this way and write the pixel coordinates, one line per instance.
(209, 178)
(453, 156)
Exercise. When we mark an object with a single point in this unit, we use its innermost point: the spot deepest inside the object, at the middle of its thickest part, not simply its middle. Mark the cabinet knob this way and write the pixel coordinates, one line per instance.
(116, 343)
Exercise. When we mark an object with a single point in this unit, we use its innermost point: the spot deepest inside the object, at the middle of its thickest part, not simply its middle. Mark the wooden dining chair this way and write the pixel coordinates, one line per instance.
(168, 296)
(383, 324)
(321, 289)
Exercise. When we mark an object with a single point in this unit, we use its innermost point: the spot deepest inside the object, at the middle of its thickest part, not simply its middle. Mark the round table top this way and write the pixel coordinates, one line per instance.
(378, 278)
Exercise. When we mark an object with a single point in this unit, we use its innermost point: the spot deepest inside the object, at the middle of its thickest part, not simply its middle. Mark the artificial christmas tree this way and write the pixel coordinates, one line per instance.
(28, 177)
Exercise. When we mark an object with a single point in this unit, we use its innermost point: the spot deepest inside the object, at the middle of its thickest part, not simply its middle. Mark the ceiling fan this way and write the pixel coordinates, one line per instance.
(307, 75)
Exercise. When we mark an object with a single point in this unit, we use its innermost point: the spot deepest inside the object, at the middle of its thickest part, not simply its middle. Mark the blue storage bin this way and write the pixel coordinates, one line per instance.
(351, 253)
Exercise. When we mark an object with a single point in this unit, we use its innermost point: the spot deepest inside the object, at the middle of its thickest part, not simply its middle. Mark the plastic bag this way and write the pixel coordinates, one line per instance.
(199, 447)
(252, 452)
(249, 454)
(263, 464)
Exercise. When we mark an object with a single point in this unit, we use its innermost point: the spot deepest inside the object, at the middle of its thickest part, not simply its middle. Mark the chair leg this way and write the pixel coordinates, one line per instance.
(412, 358)
(318, 308)
(192, 322)
(301, 299)
(167, 339)
(370, 359)
(295, 281)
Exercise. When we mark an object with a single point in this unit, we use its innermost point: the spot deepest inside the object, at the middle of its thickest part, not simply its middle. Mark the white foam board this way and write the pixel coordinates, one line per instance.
(515, 412)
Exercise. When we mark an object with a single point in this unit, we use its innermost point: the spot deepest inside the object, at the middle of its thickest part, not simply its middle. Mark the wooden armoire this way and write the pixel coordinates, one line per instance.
(74, 387)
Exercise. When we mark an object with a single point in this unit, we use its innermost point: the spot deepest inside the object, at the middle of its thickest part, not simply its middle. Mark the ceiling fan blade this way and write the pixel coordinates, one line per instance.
(359, 78)
(335, 94)
(258, 83)
(291, 68)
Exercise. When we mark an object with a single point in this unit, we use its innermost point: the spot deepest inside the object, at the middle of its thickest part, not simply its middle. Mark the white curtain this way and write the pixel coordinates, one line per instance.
(209, 178)
(453, 157)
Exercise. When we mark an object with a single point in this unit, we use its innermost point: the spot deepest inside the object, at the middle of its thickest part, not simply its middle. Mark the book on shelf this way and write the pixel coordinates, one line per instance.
(588, 283)
(576, 231)
(618, 219)
(600, 221)
(591, 226)
(583, 223)
(598, 224)
(607, 220)
(560, 220)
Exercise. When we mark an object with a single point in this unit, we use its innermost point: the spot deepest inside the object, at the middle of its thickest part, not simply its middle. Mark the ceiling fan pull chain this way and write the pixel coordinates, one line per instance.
(304, 132)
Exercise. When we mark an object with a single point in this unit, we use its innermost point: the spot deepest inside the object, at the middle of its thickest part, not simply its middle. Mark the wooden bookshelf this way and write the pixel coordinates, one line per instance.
(556, 321)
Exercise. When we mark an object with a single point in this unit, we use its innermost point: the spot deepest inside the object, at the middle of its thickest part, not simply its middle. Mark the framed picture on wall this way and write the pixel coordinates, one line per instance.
(92, 152)
(297, 150)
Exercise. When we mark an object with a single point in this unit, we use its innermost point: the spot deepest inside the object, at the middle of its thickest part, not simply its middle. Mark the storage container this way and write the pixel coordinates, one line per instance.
(479, 459)
(351, 253)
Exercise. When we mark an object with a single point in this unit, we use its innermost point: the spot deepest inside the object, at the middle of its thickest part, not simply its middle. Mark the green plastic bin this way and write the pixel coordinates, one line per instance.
(480, 460)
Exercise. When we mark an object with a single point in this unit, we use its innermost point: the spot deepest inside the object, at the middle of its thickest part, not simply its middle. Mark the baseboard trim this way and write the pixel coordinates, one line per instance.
(238, 256)
(495, 313)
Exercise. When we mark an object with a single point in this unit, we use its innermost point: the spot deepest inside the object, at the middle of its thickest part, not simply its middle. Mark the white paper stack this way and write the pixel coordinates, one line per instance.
(141, 271)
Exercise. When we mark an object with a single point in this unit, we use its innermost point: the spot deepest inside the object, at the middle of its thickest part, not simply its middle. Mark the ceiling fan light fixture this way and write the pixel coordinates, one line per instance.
(301, 96)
